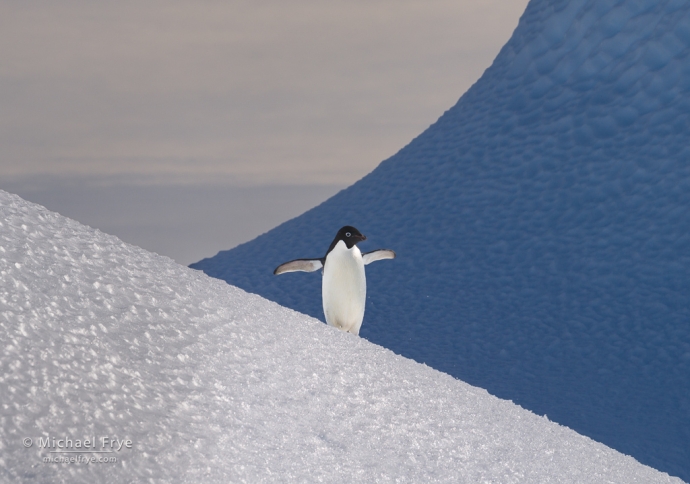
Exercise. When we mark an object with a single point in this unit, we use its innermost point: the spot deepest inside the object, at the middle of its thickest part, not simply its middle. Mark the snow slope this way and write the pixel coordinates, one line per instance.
(212, 384)
(542, 229)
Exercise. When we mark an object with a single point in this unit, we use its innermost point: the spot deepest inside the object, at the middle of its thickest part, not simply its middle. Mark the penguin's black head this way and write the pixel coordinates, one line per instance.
(350, 235)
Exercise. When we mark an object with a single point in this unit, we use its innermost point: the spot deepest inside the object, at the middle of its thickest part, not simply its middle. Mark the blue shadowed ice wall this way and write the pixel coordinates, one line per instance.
(542, 228)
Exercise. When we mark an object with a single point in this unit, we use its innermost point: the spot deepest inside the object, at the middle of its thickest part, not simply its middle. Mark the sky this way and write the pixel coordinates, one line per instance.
(111, 110)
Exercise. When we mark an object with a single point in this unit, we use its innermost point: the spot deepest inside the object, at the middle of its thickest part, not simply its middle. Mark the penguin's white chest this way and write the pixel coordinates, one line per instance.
(344, 288)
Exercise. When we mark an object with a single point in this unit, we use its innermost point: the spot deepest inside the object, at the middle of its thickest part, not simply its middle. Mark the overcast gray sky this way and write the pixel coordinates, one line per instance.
(236, 94)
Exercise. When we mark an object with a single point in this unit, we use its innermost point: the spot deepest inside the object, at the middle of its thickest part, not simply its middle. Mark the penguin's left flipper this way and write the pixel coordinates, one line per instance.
(379, 254)
(304, 265)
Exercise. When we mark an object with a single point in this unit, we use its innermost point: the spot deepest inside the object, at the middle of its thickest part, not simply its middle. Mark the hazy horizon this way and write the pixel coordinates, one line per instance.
(239, 94)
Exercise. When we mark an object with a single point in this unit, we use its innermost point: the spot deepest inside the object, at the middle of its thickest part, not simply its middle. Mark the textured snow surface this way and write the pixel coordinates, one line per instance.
(542, 229)
(212, 384)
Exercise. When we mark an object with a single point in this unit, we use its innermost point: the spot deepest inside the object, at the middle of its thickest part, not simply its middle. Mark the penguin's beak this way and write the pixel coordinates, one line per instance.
(362, 237)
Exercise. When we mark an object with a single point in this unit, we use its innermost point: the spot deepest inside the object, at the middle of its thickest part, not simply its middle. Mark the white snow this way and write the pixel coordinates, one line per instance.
(102, 339)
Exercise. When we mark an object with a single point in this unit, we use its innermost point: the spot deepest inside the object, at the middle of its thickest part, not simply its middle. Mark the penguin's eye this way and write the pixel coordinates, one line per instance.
(347, 234)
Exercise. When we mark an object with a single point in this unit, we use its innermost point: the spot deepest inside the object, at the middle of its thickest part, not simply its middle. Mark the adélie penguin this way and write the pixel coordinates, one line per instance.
(344, 285)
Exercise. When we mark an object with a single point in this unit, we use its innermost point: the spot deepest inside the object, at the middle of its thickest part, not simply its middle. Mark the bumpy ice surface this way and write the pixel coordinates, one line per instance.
(542, 229)
(212, 384)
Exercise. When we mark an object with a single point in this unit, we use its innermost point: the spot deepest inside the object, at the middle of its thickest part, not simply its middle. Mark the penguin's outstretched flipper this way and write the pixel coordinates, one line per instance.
(379, 254)
(304, 265)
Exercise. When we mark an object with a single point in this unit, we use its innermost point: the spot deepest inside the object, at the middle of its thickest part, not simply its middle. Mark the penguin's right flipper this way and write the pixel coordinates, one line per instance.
(304, 265)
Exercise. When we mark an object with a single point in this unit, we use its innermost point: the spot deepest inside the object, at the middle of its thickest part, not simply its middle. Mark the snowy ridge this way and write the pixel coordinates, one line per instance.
(212, 384)
(542, 229)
